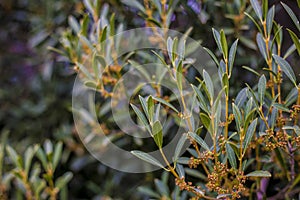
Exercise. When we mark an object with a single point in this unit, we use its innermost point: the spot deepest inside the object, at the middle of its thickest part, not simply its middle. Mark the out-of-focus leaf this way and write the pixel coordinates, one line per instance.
(259, 173)
(146, 157)
(134, 4)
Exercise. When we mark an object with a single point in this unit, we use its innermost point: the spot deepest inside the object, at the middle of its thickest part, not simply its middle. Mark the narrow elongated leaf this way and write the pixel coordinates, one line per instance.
(292, 15)
(262, 46)
(157, 133)
(161, 187)
(14, 156)
(224, 44)
(170, 48)
(209, 84)
(28, 155)
(212, 55)
(270, 19)
(251, 70)
(262, 88)
(144, 105)
(134, 4)
(254, 21)
(265, 8)
(286, 68)
(257, 8)
(225, 82)
(295, 40)
(180, 170)
(199, 140)
(237, 116)
(141, 116)
(165, 103)
(249, 134)
(146, 157)
(150, 105)
(217, 38)
(63, 180)
(147, 191)
(206, 121)
(179, 147)
(231, 156)
(232, 54)
(241, 98)
(57, 154)
(259, 173)
(281, 107)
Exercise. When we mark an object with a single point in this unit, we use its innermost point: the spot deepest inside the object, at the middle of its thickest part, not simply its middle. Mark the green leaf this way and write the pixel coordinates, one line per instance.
(237, 116)
(14, 156)
(206, 121)
(209, 85)
(74, 24)
(147, 191)
(224, 44)
(57, 154)
(179, 147)
(262, 46)
(257, 8)
(170, 48)
(134, 4)
(249, 134)
(141, 116)
(265, 8)
(251, 70)
(212, 55)
(281, 107)
(295, 40)
(28, 156)
(150, 105)
(225, 82)
(161, 187)
(270, 20)
(232, 54)
(165, 103)
(286, 68)
(180, 170)
(63, 180)
(292, 15)
(254, 21)
(157, 133)
(179, 76)
(217, 38)
(231, 156)
(146, 157)
(201, 98)
(259, 173)
(199, 140)
(262, 88)
(42, 157)
(174, 48)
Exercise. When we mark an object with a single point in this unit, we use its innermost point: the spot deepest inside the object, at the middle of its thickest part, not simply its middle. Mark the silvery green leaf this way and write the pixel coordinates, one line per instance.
(162, 101)
(232, 54)
(270, 19)
(179, 147)
(249, 134)
(157, 132)
(209, 84)
(292, 15)
(134, 4)
(259, 173)
(257, 8)
(286, 68)
(148, 158)
(231, 156)
(262, 88)
(217, 38)
(224, 44)
(199, 140)
(262, 46)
